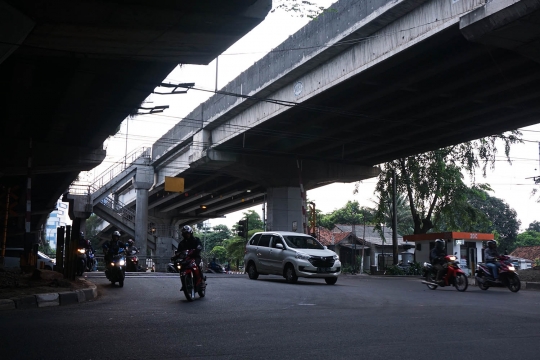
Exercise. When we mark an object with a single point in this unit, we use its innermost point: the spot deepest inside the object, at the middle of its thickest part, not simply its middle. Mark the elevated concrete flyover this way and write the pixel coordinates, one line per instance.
(368, 82)
(72, 71)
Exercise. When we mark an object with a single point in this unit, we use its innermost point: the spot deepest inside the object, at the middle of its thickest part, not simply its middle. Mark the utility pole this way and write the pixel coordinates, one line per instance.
(394, 218)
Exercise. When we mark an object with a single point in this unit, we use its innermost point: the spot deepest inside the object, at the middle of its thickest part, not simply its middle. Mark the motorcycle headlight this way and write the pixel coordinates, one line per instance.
(82, 251)
(112, 264)
(302, 256)
(178, 266)
(122, 263)
(511, 268)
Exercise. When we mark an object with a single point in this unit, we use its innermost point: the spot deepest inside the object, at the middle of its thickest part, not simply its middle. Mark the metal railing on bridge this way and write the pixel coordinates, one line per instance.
(121, 165)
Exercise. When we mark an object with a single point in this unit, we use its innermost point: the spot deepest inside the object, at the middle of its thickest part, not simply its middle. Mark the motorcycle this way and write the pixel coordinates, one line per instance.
(454, 276)
(116, 270)
(508, 277)
(216, 268)
(81, 261)
(189, 271)
(90, 260)
(132, 260)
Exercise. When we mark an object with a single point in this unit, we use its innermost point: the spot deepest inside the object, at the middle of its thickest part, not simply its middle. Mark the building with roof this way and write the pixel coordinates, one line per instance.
(348, 241)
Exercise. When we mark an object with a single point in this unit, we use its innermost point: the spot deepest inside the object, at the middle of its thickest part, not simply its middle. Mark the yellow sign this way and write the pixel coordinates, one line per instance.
(174, 184)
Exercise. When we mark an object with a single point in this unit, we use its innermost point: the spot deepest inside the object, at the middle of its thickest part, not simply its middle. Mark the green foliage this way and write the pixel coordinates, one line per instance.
(433, 181)
(535, 226)
(412, 269)
(45, 247)
(91, 229)
(212, 237)
(351, 213)
(219, 252)
(528, 238)
(235, 248)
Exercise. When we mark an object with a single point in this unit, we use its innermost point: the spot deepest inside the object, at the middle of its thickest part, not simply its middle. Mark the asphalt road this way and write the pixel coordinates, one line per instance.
(359, 317)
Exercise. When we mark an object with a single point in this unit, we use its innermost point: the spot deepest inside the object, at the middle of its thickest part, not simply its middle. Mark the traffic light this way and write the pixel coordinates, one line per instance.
(242, 228)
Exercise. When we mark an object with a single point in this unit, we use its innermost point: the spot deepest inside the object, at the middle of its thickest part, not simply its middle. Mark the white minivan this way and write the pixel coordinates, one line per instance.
(13, 259)
(290, 255)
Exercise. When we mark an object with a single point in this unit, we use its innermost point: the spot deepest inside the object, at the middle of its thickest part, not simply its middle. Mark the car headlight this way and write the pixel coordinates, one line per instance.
(122, 262)
(511, 268)
(336, 257)
(302, 256)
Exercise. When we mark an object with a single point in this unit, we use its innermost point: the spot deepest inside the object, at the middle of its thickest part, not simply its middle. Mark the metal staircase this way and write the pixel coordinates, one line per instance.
(99, 199)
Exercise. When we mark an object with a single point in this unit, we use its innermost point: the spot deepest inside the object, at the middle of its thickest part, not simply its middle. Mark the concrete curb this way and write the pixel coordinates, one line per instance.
(49, 299)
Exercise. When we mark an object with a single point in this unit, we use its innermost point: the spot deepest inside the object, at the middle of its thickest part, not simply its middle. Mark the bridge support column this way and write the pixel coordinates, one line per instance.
(284, 209)
(143, 182)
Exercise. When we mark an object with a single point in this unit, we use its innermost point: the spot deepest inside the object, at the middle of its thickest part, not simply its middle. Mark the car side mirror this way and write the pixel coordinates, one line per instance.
(279, 246)
(324, 247)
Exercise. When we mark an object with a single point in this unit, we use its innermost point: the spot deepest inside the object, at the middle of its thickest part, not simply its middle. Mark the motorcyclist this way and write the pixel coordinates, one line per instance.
(111, 247)
(491, 255)
(436, 256)
(190, 242)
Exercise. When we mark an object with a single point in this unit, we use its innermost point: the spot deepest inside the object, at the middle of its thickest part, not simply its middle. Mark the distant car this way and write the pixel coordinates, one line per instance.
(13, 259)
(290, 255)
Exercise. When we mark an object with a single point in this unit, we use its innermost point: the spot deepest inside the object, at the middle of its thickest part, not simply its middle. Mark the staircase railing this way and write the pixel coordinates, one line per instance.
(121, 165)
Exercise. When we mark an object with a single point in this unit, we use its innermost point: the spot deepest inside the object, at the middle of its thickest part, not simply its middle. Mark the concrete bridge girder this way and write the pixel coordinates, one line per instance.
(387, 40)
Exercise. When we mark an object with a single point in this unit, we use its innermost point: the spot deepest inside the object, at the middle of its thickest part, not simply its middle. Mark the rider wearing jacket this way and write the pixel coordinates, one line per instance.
(191, 242)
(111, 247)
(491, 255)
(436, 256)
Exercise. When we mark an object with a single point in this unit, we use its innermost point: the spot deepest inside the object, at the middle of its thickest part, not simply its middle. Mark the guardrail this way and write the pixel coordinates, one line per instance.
(121, 165)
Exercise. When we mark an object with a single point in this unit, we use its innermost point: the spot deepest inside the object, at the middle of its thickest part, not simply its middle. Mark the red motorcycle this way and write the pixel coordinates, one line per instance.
(454, 276)
(508, 276)
(190, 273)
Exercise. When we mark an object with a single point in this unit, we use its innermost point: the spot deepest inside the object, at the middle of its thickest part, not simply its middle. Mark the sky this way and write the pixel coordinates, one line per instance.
(511, 183)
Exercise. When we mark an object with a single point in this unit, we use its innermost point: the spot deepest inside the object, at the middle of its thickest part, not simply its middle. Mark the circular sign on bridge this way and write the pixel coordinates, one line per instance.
(298, 87)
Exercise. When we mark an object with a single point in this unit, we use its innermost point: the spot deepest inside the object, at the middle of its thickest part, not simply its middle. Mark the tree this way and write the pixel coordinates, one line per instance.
(528, 238)
(349, 214)
(254, 221)
(215, 236)
(433, 181)
(501, 219)
(534, 226)
(91, 229)
(219, 252)
(300, 8)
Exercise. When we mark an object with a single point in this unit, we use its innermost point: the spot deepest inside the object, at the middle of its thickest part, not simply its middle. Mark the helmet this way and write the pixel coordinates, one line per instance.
(82, 234)
(491, 244)
(131, 242)
(116, 235)
(186, 229)
(439, 244)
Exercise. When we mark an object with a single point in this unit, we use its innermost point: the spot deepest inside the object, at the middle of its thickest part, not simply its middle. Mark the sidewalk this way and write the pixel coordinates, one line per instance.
(24, 291)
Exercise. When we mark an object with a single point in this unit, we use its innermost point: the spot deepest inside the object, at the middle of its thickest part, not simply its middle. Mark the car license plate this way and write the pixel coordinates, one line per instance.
(323, 270)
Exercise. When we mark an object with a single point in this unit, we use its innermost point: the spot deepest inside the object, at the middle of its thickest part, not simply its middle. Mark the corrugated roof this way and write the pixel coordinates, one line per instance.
(372, 235)
(527, 252)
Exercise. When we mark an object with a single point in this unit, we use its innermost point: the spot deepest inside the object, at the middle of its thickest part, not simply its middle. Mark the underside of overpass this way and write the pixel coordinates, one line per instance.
(473, 79)
(72, 71)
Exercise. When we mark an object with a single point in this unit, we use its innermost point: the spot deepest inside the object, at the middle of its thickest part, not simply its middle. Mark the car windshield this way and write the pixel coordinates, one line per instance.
(302, 242)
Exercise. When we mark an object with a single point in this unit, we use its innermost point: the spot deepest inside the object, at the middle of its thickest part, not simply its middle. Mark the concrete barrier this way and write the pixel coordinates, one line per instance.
(45, 300)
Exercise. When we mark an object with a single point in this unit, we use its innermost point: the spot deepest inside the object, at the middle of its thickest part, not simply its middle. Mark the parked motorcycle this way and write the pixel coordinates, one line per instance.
(90, 260)
(508, 277)
(216, 268)
(116, 270)
(186, 265)
(454, 276)
(81, 261)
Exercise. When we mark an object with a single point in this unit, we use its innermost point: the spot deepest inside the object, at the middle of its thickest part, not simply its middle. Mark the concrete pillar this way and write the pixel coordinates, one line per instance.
(143, 182)
(284, 209)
